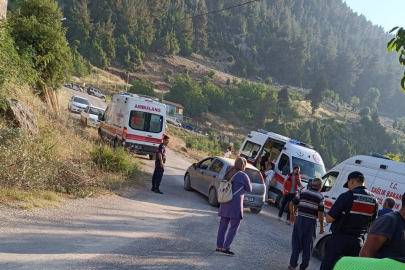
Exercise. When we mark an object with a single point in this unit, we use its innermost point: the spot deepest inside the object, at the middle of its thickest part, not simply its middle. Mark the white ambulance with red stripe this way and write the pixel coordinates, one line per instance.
(384, 177)
(134, 121)
(293, 153)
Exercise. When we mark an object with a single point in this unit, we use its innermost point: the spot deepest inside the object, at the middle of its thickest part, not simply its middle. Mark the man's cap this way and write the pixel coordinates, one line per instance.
(353, 175)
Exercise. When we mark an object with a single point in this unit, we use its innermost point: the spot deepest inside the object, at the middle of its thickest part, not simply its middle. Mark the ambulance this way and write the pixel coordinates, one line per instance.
(293, 153)
(134, 121)
(384, 177)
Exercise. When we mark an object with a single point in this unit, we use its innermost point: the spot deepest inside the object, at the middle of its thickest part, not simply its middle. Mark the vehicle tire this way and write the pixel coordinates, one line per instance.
(255, 210)
(187, 182)
(212, 197)
(321, 248)
(152, 157)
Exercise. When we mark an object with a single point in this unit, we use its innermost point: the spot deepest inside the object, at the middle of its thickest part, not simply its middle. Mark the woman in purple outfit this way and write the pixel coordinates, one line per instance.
(232, 212)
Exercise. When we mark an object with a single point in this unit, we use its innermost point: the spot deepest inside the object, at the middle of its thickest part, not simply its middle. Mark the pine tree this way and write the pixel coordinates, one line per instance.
(200, 28)
(316, 95)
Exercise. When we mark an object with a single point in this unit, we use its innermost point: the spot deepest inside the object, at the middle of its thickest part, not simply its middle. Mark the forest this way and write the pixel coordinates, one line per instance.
(315, 44)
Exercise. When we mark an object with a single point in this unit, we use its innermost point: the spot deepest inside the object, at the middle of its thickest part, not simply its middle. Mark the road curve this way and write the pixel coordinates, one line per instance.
(140, 230)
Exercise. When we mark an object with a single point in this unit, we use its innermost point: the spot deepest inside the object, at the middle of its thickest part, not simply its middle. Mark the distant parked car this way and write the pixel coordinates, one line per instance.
(95, 92)
(89, 116)
(206, 175)
(173, 121)
(191, 128)
(78, 104)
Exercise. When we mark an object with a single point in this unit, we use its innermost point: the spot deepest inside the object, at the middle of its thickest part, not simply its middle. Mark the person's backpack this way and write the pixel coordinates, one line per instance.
(225, 190)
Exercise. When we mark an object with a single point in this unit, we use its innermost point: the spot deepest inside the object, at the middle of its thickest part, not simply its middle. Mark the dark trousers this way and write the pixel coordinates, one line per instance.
(286, 200)
(340, 245)
(157, 176)
(223, 227)
(303, 237)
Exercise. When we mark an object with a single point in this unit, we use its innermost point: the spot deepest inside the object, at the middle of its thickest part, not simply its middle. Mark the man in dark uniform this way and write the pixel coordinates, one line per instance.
(159, 165)
(350, 215)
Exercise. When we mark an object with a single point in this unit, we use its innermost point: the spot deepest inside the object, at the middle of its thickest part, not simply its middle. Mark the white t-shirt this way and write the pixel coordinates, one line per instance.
(269, 174)
(228, 154)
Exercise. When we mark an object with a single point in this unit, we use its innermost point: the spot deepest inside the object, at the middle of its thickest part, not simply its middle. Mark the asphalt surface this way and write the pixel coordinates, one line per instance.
(140, 230)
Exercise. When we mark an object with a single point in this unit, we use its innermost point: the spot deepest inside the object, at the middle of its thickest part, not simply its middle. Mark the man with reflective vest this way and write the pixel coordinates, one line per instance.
(290, 190)
(350, 215)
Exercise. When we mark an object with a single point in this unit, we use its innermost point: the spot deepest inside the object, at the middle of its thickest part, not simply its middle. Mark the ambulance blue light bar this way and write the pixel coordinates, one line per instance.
(300, 143)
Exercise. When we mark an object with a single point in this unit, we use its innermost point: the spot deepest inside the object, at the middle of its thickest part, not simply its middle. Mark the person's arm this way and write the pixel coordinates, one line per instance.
(321, 218)
(373, 243)
(247, 183)
(338, 208)
(285, 180)
(160, 157)
(294, 202)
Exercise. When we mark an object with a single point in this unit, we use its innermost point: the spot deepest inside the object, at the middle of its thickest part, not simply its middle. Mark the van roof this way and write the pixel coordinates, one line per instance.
(376, 163)
(280, 138)
(132, 97)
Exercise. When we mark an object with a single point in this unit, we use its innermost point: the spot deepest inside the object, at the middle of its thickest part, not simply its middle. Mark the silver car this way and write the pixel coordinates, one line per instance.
(78, 104)
(206, 175)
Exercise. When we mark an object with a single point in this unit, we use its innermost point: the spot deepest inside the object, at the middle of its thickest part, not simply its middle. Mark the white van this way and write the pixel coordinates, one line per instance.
(385, 178)
(293, 153)
(135, 122)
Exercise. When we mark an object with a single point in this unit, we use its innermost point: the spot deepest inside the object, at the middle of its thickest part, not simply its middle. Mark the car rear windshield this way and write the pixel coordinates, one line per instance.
(254, 176)
(144, 121)
(81, 100)
(96, 111)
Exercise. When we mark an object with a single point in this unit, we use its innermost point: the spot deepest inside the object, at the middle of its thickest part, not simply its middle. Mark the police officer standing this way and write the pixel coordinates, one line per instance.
(159, 165)
(350, 215)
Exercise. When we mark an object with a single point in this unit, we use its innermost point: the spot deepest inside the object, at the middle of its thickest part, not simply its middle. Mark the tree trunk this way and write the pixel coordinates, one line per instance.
(50, 97)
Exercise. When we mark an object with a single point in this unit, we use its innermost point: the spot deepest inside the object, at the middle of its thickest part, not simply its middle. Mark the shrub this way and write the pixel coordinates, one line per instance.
(269, 80)
(228, 82)
(364, 111)
(230, 59)
(211, 74)
(168, 79)
(186, 71)
(112, 160)
(169, 72)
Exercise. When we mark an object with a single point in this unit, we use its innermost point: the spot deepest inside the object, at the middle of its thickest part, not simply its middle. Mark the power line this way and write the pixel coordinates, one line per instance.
(216, 11)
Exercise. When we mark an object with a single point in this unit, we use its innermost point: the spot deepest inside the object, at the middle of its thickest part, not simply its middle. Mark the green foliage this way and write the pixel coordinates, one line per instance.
(142, 87)
(37, 30)
(269, 80)
(330, 94)
(354, 102)
(371, 99)
(295, 96)
(364, 111)
(212, 73)
(284, 100)
(230, 59)
(168, 45)
(186, 71)
(398, 44)
(81, 67)
(189, 94)
(215, 95)
(112, 160)
(168, 79)
(228, 82)
(317, 93)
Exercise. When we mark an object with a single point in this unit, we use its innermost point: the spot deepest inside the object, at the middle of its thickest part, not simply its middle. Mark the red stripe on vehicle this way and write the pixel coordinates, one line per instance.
(279, 178)
(328, 204)
(143, 139)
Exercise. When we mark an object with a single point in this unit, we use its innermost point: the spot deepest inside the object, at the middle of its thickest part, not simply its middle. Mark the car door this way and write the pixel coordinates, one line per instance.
(329, 187)
(212, 175)
(197, 178)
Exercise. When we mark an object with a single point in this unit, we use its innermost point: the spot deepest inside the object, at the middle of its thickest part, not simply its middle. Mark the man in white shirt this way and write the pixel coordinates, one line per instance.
(228, 152)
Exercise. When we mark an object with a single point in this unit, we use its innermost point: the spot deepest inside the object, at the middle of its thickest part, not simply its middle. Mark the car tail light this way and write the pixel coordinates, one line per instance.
(163, 137)
(124, 134)
(261, 176)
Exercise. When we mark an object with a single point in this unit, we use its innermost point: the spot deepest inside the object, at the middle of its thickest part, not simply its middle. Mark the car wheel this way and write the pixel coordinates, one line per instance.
(255, 210)
(321, 248)
(187, 183)
(212, 197)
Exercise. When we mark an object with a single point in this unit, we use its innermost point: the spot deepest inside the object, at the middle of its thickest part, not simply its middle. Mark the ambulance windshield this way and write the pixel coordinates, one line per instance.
(308, 170)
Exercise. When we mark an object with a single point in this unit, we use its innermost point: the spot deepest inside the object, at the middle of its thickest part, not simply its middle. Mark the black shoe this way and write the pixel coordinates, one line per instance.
(158, 191)
(228, 252)
(153, 189)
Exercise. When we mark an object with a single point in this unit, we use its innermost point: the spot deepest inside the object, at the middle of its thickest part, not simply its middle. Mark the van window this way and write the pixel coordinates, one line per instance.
(144, 121)
(329, 180)
(284, 165)
(249, 148)
(217, 166)
(254, 175)
(308, 170)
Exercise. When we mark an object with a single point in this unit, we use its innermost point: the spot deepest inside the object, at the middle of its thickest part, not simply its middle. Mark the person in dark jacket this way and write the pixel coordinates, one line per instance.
(351, 215)
(159, 165)
(232, 211)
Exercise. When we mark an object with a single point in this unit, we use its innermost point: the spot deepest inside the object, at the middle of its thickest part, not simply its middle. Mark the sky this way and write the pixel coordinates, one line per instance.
(386, 13)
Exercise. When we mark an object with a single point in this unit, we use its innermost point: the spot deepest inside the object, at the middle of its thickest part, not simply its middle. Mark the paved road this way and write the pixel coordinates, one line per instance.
(140, 230)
